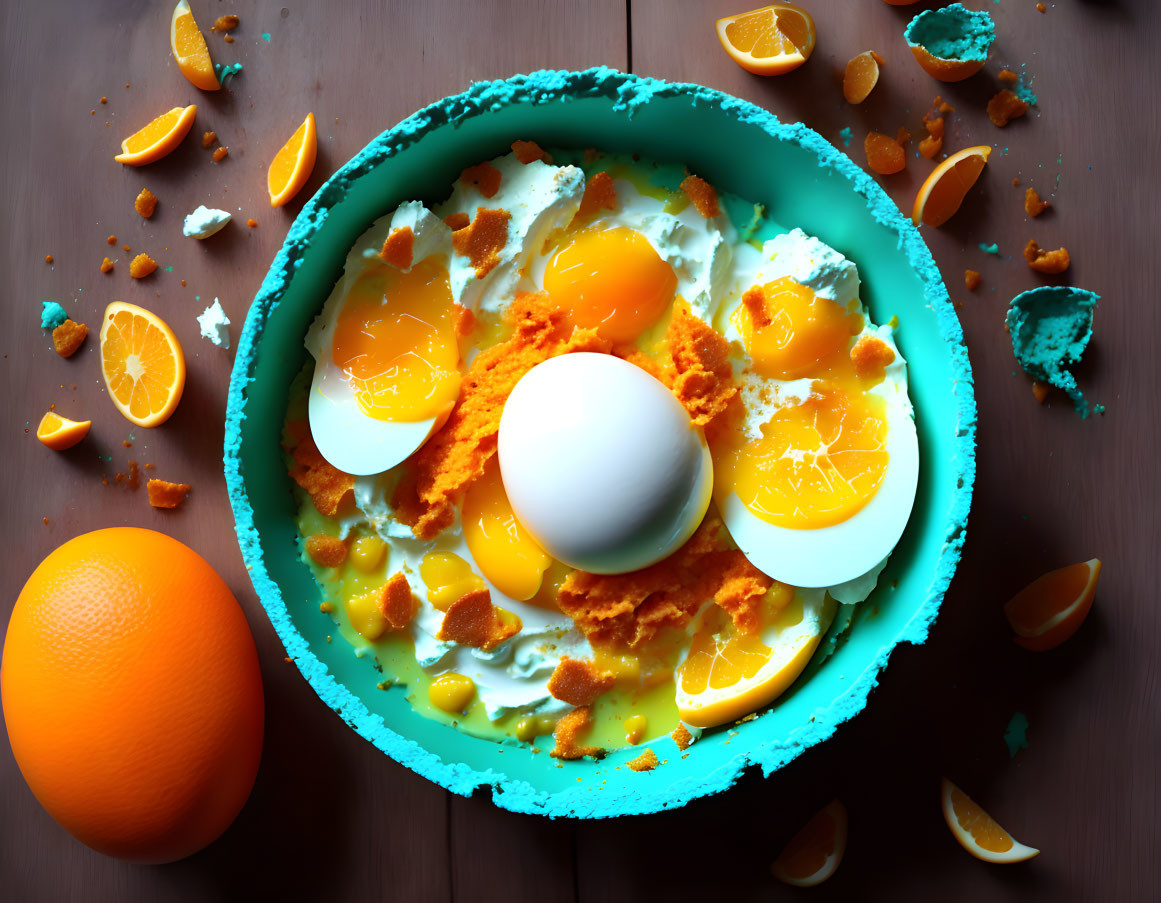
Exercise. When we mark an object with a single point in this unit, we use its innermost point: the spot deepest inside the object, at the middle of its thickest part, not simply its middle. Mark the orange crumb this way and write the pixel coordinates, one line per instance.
(128, 444)
(132, 479)
(104, 100)
(397, 602)
(166, 495)
(398, 247)
(484, 176)
(329, 551)
(647, 761)
(567, 734)
(1040, 391)
(933, 143)
(579, 682)
(45, 519)
(326, 485)
(68, 337)
(208, 139)
(147, 466)
(682, 737)
(754, 300)
(252, 223)
(871, 356)
(1004, 107)
(112, 239)
(48, 258)
(1041, 8)
(1033, 206)
(483, 240)
(465, 320)
(703, 195)
(1008, 77)
(1015, 181)
(183, 283)
(529, 151)
(457, 221)
(229, 39)
(903, 136)
(472, 620)
(225, 23)
(220, 154)
(141, 266)
(106, 265)
(1050, 262)
(972, 280)
(145, 203)
(600, 192)
(885, 155)
(703, 378)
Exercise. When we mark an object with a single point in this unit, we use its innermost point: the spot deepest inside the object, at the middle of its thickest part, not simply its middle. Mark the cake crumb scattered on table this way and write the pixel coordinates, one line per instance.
(1033, 206)
(327, 551)
(972, 280)
(48, 258)
(220, 154)
(145, 203)
(112, 239)
(163, 494)
(1005, 106)
(68, 337)
(702, 194)
(1049, 262)
(252, 223)
(225, 23)
(208, 139)
(1040, 391)
(106, 265)
(141, 266)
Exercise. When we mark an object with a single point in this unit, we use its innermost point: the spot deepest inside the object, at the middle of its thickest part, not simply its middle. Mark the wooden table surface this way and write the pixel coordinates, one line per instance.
(331, 817)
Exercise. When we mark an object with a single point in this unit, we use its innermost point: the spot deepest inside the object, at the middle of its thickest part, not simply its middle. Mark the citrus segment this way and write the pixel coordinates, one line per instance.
(1052, 607)
(293, 163)
(59, 433)
(768, 41)
(190, 50)
(814, 853)
(160, 137)
(976, 831)
(861, 76)
(142, 363)
(942, 193)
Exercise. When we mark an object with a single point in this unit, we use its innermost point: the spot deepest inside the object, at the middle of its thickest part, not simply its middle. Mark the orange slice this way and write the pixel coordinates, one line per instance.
(976, 831)
(768, 41)
(944, 69)
(190, 50)
(940, 196)
(861, 76)
(814, 853)
(292, 165)
(1052, 607)
(160, 137)
(727, 675)
(142, 363)
(59, 433)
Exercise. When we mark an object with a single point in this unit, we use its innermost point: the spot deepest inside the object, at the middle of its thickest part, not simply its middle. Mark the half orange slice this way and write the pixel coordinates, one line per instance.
(190, 50)
(976, 831)
(768, 41)
(942, 193)
(142, 363)
(1052, 607)
(160, 137)
(293, 163)
(59, 433)
(814, 853)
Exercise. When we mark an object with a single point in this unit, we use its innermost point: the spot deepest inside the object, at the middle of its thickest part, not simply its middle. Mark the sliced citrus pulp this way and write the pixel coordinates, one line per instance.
(942, 193)
(768, 41)
(861, 76)
(1052, 607)
(190, 50)
(160, 137)
(976, 831)
(59, 433)
(293, 163)
(814, 853)
(727, 675)
(142, 363)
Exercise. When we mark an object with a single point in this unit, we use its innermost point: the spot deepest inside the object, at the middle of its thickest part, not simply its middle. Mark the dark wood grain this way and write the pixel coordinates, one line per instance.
(332, 818)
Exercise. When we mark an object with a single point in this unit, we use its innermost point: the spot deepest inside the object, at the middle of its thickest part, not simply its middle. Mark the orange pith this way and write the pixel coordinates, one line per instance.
(59, 433)
(814, 853)
(293, 164)
(142, 363)
(190, 50)
(976, 831)
(768, 41)
(158, 138)
(1052, 607)
(942, 193)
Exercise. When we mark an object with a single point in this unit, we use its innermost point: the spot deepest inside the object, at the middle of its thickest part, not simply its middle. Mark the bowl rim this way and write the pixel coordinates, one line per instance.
(626, 91)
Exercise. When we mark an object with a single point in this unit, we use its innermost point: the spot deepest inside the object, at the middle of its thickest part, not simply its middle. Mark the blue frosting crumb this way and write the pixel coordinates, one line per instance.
(990, 249)
(1050, 327)
(845, 135)
(952, 33)
(1016, 734)
(52, 315)
(226, 72)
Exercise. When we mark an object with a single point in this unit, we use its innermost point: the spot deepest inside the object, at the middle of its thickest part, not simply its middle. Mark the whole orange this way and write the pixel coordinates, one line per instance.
(132, 694)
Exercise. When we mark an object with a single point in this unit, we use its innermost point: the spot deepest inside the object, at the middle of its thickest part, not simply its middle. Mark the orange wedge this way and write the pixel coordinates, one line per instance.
(190, 50)
(814, 853)
(160, 137)
(944, 69)
(1052, 607)
(142, 363)
(768, 41)
(292, 165)
(940, 196)
(861, 76)
(976, 831)
(59, 433)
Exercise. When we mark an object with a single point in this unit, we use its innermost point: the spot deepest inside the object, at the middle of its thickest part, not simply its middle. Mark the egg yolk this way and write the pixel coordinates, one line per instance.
(611, 280)
(395, 342)
(816, 464)
(503, 550)
(806, 335)
(448, 578)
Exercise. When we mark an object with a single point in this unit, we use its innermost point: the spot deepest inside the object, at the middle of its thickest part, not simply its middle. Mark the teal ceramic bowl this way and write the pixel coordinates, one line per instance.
(740, 148)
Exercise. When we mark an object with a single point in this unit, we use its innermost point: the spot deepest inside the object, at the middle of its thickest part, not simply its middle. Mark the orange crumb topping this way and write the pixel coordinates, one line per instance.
(1008, 77)
(972, 280)
(903, 136)
(484, 176)
(465, 320)
(324, 483)
(600, 192)
(104, 100)
(398, 247)
(229, 39)
(457, 221)
(483, 239)
(703, 378)
(126, 247)
(567, 735)
(682, 737)
(225, 23)
(1041, 8)
(112, 239)
(579, 682)
(397, 601)
(106, 265)
(252, 223)
(871, 355)
(48, 258)
(647, 761)
(208, 139)
(132, 479)
(472, 620)
(933, 143)
(754, 300)
(1004, 107)
(1033, 206)
(141, 266)
(703, 195)
(220, 154)
(1051, 262)
(1015, 181)
(1040, 391)
(329, 551)
(145, 203)
(163, 494)
(885, 155)
(68, 337)
(529, 151)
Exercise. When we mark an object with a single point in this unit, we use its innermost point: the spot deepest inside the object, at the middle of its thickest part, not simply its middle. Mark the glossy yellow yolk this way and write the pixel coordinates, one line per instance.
(500, 546)
(395, 341)
(452, 692)
(611, 279)
(806, 335)
(448, 578)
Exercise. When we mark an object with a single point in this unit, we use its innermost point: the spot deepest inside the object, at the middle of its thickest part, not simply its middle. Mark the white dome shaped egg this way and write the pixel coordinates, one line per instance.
(602, 464)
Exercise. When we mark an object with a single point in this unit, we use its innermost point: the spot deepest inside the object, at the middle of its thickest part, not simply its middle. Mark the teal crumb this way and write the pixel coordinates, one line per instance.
(1016, 734)
(845, 135)
(990, 249)
(52, 315)
(266, 36)
(952, 33)
(226, 72)
(1050, 327)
